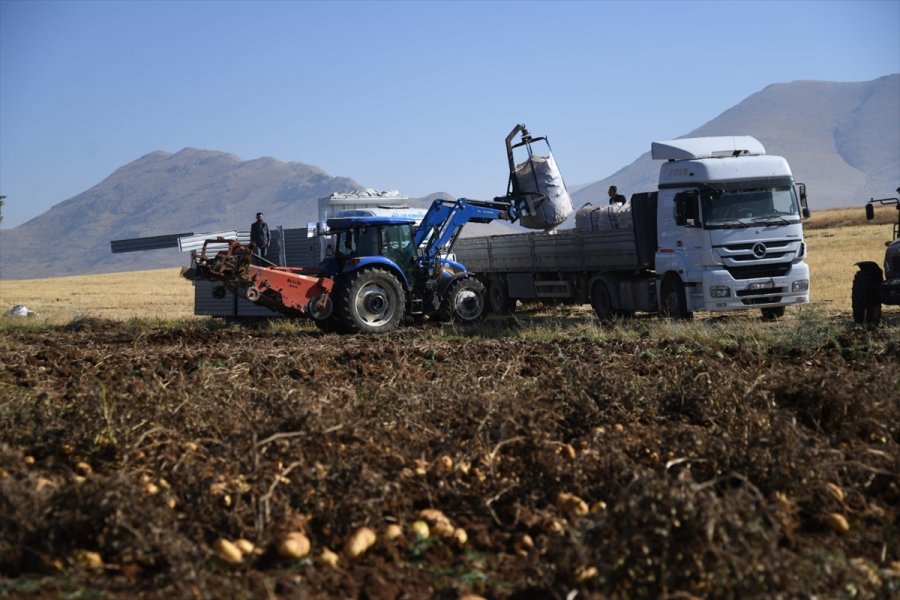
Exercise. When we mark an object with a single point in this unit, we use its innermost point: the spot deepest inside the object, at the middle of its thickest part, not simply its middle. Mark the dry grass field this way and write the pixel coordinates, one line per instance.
(156, 294)
(148, 453)
(836, 240)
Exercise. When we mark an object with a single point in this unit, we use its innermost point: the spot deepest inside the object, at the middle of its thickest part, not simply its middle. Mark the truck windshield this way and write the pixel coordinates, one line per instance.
(737, 206)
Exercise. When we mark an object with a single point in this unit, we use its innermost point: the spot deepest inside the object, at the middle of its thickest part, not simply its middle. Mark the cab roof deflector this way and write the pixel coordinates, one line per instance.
(706, 147)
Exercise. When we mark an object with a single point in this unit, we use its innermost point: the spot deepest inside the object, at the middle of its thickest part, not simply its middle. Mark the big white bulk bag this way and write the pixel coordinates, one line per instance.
(583, 217)
(544, 178)
(620, 216)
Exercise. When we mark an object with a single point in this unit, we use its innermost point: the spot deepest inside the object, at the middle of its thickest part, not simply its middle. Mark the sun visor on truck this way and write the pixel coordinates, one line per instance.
(540, 175)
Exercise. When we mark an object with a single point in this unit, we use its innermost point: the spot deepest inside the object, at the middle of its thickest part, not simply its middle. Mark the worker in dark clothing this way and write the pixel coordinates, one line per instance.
(259, 235)
(615, 197)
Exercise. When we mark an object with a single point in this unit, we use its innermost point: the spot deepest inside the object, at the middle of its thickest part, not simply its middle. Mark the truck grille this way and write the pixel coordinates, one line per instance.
(750, 260)
(759, 271)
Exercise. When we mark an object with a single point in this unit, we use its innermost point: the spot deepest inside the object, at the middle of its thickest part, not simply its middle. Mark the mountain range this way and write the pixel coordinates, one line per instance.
(841, 139)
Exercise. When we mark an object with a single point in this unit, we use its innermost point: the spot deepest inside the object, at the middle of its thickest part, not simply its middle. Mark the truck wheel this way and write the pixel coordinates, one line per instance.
(866, 298)
(499, 301)
(372, 301)
(772, 313)
(464, 301)
(673, 300)
(601, 302)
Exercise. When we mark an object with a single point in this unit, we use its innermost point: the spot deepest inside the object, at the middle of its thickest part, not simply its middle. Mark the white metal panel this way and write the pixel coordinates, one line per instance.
(706, 147)
(195, 241)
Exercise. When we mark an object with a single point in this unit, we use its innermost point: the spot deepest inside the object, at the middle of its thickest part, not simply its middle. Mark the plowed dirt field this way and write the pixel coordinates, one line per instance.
(699, 463)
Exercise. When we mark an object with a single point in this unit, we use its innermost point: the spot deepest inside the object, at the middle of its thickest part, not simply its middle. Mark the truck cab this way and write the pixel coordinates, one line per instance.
(729, 228)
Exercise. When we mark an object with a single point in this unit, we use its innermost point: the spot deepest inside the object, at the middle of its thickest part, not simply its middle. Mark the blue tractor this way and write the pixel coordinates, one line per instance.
(379, 270)
(385, 268)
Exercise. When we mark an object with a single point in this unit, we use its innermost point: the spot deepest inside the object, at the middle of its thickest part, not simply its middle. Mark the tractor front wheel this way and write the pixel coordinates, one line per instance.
(463, 301)
(372, 301)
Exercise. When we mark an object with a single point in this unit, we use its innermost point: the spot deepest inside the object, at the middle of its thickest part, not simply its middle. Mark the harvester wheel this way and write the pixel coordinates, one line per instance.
(499, 301)
(372, 301)
(866, 298)
(673, 302)
(464, 301)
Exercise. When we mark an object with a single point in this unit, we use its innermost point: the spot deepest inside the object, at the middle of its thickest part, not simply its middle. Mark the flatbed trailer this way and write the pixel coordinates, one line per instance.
(563, 264)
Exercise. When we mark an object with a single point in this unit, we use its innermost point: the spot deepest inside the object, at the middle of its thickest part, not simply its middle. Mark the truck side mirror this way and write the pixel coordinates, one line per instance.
(804, 207)
(870, 212)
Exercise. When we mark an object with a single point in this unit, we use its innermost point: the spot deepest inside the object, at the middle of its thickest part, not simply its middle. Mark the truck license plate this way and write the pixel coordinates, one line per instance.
(762, 285)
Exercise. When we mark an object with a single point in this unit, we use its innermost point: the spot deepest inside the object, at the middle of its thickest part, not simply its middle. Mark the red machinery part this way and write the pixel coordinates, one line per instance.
(297, 286)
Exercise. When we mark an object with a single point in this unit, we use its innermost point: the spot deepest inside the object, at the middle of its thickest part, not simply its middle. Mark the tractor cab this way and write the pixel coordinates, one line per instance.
(360, 239)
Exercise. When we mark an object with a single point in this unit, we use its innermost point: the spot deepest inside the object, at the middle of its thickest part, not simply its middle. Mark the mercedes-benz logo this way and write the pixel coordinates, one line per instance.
(759, 250)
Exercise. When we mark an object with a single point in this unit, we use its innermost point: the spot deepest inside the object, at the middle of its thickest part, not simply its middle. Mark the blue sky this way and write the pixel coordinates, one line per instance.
(416, 96)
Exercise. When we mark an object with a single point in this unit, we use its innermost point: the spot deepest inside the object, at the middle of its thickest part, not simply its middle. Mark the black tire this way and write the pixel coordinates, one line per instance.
(498, 300)
(371, 301)
(464, 301)
(329, 325)
(772, 313)
(673, 302)
(866, 298)
(601, 302)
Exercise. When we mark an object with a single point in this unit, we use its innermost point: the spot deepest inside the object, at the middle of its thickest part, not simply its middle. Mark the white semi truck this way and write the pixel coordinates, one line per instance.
(722, 233)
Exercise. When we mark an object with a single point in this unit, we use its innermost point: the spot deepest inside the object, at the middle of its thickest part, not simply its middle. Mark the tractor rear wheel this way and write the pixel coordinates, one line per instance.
(866, 298)
(464, 301)
(372, 301)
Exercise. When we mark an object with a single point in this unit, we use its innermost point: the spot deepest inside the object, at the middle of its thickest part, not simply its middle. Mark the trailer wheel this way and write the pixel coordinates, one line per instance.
(601, 301)
(673, 302)
(464, 301)
(866, 298)
(772, 313)
(372, 301)
(499, 301)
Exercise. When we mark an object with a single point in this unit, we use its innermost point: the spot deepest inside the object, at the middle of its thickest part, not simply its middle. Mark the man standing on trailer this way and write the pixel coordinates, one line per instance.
(259, 235)
(615, 197)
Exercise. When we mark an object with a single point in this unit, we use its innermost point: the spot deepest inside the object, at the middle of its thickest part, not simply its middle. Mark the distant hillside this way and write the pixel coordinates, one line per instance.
(161, 193)
(841, 139)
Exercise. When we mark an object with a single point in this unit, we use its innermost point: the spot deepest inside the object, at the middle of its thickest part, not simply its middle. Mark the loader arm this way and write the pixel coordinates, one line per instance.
(445, 219)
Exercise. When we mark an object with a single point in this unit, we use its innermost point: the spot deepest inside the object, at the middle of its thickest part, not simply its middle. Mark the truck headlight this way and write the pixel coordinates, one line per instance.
(800, 286)
(719, 291)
